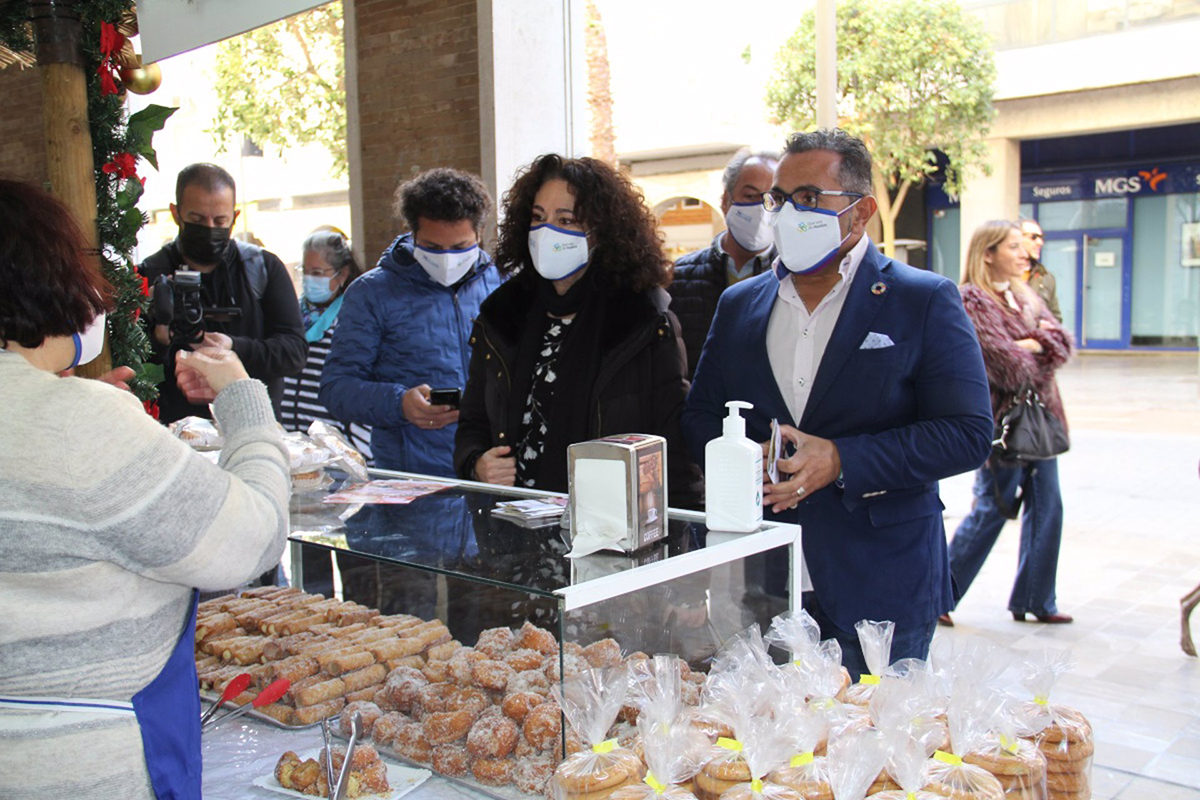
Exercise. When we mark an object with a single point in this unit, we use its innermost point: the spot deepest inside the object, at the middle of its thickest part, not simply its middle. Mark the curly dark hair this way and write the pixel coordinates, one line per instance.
(445, 195)
(53, 286)
(623, 237)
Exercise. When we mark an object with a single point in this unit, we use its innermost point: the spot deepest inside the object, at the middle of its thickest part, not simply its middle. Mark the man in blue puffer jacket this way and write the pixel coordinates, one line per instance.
(404, 326)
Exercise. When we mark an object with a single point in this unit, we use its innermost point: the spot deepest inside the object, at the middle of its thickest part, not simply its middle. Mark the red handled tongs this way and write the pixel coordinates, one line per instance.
(232, 690)
(275, 690)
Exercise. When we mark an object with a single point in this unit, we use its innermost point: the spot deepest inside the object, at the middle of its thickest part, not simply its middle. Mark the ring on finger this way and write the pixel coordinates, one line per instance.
(800, 491)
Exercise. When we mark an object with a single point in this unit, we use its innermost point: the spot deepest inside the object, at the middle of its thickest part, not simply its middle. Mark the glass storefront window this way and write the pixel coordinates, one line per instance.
(1073, 215)
(944, 250)
(1025, 211)
(1166, 271)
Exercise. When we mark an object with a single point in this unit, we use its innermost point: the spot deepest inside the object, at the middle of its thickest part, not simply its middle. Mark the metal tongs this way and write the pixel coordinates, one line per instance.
(338, 788)
(275, 690)
(232, 690)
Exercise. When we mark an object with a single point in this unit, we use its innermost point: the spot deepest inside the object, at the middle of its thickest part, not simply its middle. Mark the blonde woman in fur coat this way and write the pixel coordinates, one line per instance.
(1023, 345)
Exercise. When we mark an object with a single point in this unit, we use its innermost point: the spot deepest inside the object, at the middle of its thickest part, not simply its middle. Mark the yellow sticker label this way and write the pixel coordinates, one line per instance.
(654, 783)
(802, 759)
(1010, 745)
(911, 796)
(730, 744)
(798, 662)
(605, 747)
(948, 758)
(1042, 700)
(870, 680)
(756, 785)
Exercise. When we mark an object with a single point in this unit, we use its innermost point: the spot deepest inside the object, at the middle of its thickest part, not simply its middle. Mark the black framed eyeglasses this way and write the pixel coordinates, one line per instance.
(807, 196)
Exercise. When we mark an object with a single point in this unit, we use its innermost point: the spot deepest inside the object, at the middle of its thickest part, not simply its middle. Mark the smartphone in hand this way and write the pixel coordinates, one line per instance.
(445, 397)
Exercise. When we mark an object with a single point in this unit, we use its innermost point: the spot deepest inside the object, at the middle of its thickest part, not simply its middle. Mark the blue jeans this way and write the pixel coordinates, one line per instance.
(1041, 532)
(907, 642)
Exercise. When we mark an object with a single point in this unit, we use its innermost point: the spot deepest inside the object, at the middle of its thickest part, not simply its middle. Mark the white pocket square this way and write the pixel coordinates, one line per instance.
(876, 341)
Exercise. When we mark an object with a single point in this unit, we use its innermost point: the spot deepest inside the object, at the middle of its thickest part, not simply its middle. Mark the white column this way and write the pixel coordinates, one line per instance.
(358, 241)
(995, 196)
(532, 84)
(826, 63)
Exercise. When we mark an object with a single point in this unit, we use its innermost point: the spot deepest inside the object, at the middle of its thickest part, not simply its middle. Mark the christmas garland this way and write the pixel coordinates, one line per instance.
(119, 141)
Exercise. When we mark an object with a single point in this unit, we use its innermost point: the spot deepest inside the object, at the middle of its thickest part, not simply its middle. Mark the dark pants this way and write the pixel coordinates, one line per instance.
(907, 642)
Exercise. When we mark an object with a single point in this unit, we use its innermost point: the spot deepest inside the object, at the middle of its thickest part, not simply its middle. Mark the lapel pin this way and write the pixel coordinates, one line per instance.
(879, 287)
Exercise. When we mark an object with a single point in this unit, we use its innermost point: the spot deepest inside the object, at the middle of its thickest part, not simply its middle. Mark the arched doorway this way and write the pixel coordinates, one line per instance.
(688, 223)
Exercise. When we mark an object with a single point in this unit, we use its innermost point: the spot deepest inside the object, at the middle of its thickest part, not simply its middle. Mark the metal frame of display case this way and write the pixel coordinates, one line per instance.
(734, 546)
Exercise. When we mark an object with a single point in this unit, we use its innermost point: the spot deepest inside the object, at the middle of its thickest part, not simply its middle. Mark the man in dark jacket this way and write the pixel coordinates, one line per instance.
(264, 328)
(404, 326)
(1040, 279)
(741, 251)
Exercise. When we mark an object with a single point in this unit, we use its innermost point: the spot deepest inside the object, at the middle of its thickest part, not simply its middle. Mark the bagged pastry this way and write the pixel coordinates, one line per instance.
(906, 765)
(856, 759)
(798, 633)
(673, 752)
(347, 457)
(1062, 734)
(903, 706)
(805, 772)
(763, 749)
(876, 641)
(1016, 763)
(199, 433)
(967, 715)
(591, 700)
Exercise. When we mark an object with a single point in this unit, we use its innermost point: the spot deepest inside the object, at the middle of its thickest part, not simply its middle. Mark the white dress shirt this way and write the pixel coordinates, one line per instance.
(796, 339)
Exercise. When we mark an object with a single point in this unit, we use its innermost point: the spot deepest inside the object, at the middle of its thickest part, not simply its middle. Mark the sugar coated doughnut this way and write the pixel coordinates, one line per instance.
(492, 674)
(369, 712)
(468, 699)
(387, 726)
(518, 704)
(462, 665)
(402, 687)
(410, 743)
(521, 660)
(604, 653)
(531, 773)
(543, 726)
(535, 638)
(494, 737)
(493, 771)
(531, 680)
(443, 727)
(495, 642)
(452, 760)
(435, 697)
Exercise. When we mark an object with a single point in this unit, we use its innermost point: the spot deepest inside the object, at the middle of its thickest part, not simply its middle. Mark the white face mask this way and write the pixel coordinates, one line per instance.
(90, 342)
(557, 253)
(447, 267)
(316, 288)
(751, 226)
(808, 237)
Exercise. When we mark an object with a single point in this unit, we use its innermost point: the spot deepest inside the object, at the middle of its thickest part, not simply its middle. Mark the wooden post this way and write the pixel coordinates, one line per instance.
(69, 161)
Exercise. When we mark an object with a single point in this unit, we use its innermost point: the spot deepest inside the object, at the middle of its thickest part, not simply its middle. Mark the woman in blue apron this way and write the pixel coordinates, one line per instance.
(109, 525)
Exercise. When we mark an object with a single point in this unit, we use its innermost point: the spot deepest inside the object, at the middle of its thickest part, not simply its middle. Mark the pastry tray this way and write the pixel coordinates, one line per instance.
(499, 792)
(212, 697)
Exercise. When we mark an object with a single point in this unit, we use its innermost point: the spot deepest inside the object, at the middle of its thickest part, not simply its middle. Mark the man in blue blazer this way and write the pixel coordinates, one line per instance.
(873, 370)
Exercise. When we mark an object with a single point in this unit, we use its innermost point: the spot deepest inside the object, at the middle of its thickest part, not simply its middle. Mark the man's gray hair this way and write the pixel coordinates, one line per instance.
(733, 170)
(854, 173)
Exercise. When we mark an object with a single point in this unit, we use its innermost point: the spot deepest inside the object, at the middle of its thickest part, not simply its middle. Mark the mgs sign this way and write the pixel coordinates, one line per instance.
(1131, 184)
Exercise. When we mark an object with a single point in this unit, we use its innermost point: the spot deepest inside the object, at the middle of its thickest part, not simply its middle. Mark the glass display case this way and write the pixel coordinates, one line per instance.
(445, 556)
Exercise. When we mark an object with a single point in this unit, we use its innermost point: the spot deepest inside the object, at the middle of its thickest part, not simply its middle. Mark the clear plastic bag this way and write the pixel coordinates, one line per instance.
(763, 750)
(876, 641)
(816, 666)
(967, 714)
(198, 433)
(591, 700)
(856, 759)
(805, 772)
(1016, 763)
(1062, 734)
(306, 455)
(348, 458)
(906, 766)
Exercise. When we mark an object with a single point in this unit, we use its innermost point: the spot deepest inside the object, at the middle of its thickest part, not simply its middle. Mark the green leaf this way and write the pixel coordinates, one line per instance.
(151, 373)
(128, 196)
(151, 118)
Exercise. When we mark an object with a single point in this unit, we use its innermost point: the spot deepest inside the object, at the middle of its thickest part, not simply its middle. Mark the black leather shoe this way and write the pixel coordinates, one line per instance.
(1047, 619)
(945, 621)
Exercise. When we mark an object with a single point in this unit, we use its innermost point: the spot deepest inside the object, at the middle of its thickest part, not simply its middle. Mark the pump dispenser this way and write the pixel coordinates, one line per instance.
(733, 476)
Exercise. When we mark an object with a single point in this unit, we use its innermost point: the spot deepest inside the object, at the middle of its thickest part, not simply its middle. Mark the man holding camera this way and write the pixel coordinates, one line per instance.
(210, 291)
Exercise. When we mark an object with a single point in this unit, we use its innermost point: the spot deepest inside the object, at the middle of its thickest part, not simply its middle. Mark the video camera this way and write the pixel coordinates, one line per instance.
(177, 302)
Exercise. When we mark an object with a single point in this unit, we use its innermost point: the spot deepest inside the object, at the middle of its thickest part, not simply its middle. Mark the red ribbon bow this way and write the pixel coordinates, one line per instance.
(111, 42)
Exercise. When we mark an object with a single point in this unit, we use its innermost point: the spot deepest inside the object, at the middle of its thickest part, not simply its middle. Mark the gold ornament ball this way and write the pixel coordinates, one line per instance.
(142, 79)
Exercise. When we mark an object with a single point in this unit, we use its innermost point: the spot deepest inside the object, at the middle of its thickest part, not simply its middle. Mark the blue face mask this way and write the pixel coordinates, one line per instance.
(316, 288)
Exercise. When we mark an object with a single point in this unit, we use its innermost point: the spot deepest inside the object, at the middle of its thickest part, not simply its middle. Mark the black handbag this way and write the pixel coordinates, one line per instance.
(1027, 432)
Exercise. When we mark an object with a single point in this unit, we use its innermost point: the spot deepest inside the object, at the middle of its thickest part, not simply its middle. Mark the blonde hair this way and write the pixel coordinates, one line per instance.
(987, 238)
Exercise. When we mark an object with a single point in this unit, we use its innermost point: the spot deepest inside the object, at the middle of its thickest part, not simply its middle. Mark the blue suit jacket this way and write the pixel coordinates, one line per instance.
(902, 418)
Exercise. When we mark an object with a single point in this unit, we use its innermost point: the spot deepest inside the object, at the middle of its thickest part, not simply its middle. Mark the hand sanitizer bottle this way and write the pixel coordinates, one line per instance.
(733, 477)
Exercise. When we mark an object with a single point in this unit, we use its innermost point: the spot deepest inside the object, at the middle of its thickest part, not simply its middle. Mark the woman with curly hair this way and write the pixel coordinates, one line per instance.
(1023, 346)
(579, 342)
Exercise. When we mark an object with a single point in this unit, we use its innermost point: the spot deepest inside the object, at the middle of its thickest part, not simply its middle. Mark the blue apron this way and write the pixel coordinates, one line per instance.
(167, 711)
